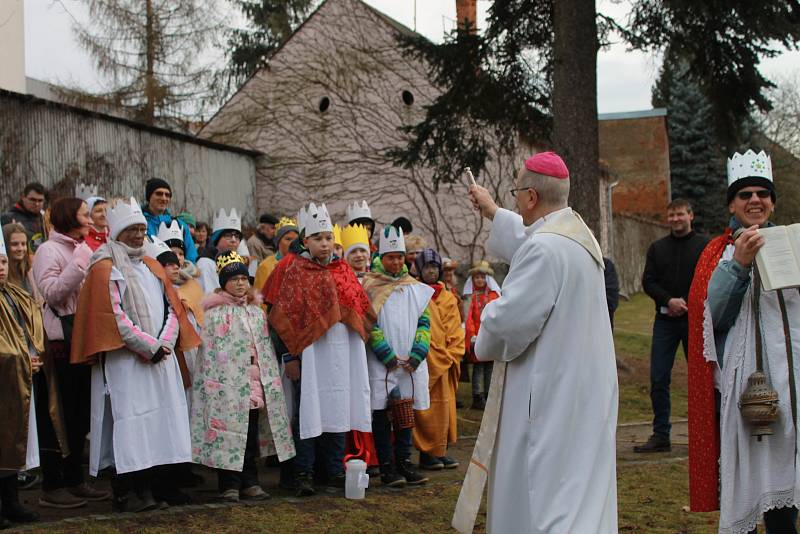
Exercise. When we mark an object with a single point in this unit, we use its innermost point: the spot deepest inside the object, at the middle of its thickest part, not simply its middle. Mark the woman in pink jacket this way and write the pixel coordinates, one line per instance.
(59, 267)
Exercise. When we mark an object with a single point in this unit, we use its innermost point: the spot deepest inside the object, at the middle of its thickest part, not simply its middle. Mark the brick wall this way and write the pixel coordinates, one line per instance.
(637, 151)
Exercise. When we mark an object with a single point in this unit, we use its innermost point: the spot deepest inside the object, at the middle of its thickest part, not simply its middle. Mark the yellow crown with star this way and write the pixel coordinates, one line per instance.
(355, 236)
(227, 259)
(285, 221)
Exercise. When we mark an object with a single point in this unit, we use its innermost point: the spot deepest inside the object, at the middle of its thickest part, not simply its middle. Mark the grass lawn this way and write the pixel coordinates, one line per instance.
(652, 490)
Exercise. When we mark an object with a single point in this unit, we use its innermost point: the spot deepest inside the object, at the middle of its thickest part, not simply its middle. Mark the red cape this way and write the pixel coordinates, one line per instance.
(308, 298)
(703, 420)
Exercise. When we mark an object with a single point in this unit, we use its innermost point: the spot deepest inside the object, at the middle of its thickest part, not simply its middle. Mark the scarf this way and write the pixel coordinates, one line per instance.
(220, 297)
(379, 284)
(188, 271)
(134, 301)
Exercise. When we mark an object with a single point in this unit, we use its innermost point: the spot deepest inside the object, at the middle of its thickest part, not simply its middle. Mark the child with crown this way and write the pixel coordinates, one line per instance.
(131, 326)
(321, 317)
(238, 406)
(398, 346)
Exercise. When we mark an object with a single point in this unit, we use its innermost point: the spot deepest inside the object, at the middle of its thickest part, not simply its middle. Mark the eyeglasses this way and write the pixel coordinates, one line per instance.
(747, 195)
(514, 191)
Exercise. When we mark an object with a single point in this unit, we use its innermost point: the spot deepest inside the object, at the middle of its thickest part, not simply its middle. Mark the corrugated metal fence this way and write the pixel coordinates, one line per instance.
(61, 146)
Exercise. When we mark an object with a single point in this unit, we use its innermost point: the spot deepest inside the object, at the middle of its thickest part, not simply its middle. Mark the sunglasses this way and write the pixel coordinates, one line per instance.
(747, 195)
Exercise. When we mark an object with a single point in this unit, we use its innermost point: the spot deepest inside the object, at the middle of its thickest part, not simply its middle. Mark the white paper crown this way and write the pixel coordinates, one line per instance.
(154, 247)
(85, 192)
(173, 231)
(749, 165)
(392, 240)
(122, 215)
(3, 245)
(358, 211)
(314, 219)
(227, 221)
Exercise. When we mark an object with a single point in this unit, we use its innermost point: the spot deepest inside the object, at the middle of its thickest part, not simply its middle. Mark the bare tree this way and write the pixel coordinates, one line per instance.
(782, 124)
(149, 53)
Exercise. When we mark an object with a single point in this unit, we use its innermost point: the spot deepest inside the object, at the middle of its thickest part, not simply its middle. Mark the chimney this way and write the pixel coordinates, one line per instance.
(467, 10)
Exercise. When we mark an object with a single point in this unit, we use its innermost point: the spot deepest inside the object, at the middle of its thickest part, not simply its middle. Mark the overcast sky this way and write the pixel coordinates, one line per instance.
(624, 78)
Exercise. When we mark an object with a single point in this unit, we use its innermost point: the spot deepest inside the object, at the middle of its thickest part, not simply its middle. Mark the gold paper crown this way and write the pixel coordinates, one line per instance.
(354, 234)
(285, 221)
(227, 259)
(337, 234)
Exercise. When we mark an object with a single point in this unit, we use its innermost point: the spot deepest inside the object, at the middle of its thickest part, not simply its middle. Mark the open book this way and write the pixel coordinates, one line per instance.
(779, 259)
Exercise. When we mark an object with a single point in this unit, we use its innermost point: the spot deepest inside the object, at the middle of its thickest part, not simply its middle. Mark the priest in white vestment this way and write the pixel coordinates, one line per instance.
(550, 456)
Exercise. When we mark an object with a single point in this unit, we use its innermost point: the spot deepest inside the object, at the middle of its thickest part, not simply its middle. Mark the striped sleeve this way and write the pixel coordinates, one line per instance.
(169, 333)
(380, 346)
(422, 338)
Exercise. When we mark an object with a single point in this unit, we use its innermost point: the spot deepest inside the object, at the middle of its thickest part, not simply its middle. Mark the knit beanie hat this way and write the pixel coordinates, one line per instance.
(230, 264)
(153, 184)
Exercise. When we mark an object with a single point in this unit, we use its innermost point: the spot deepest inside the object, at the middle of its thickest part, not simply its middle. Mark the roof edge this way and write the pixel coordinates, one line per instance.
(640, 114)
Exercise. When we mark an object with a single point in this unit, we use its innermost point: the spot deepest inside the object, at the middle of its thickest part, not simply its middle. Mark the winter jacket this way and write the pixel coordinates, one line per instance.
(59, 268)
(154, 221)
(33, 223)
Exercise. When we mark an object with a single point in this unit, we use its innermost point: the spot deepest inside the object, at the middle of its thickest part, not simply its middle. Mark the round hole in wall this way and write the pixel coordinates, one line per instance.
(408, 97)
(324, 104)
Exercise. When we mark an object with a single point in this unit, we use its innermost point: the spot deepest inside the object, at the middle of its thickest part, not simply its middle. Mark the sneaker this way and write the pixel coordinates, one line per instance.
(390, 477)
(27, 480)
(430, 463)
(655, 443)
(254, 493)
(449, 463)
(305, 485)
(86, 492)
(231, 495)
(60, 498)
(409, 472)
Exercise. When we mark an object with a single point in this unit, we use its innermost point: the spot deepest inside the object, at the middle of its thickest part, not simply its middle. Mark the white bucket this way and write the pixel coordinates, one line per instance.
(356, 479)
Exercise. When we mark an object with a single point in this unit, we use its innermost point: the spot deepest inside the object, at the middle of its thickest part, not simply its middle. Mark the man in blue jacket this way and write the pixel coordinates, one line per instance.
(158, 195)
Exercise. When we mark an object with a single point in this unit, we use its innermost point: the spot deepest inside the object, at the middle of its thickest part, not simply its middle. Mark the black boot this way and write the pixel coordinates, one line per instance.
(409, 472)
(12, 509)
(478, 403)
(390, 478)
(656, 443)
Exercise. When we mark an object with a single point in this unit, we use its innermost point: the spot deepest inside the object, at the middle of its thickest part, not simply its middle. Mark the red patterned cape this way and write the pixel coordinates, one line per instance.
(703, 420)
(307, 299)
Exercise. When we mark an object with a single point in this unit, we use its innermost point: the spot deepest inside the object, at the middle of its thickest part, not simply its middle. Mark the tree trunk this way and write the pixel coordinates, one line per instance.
(575, 134)
(151, 86)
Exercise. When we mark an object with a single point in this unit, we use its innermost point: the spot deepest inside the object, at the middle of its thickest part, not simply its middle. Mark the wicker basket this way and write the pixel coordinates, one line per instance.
(401, 411)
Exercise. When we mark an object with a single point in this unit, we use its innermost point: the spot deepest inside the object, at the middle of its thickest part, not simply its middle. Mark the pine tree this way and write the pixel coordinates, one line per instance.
(269, 24)
(697, 167)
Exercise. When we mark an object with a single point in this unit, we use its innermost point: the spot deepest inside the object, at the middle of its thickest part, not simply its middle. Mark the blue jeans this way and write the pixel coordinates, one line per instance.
(332, 445)
(481, 378)
(382, 434)
(667, 334)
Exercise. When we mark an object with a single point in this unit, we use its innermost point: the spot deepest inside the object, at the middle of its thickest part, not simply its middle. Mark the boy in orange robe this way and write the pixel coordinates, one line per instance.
(436, 427)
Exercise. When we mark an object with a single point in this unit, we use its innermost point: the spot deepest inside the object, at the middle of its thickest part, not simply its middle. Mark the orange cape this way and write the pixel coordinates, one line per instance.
(703, 420)
(95, 330)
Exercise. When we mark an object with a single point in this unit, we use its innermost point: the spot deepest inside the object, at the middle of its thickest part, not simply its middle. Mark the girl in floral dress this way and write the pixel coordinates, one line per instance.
(238, 406)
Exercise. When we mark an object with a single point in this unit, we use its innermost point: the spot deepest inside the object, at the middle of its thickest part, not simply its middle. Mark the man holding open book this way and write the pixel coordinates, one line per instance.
(744, 332)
